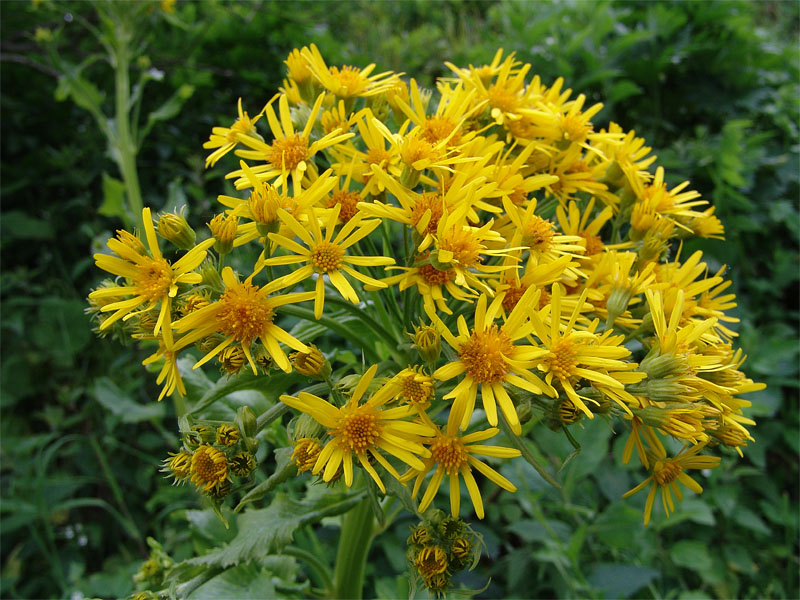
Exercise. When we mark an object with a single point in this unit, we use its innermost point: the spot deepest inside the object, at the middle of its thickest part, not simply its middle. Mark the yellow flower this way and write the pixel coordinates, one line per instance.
(209, 467)
(169, 375)
(326, 255)
(347, 81)
(153, 279)
(305, 453)
(360, 431)
(489, 357)
(225, 139)
(572, 355)
(453, 455)
(243, 314)
(667, 472)
(290, 151)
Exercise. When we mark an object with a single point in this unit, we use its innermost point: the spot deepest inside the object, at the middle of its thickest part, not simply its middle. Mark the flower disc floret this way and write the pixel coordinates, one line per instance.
(209, 467)
(450, 453)
(154, 278)
(327, 257)
(562, 358)
(288, 152)
(485, 354)
(359, 428)
(244, 313)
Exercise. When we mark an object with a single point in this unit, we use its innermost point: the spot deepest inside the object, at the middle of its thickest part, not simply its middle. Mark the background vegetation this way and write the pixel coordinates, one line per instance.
(712, 86)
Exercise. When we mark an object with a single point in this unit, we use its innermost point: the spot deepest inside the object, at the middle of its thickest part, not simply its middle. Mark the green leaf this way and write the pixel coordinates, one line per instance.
(17, 225)
(113, 197)
(623, 89)
(691, 554)
(168, 109)
(243, 582)
(621, 581)
(120, 404)
(267, 530)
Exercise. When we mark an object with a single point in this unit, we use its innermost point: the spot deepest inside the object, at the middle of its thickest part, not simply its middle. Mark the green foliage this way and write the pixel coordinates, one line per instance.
(713, 87)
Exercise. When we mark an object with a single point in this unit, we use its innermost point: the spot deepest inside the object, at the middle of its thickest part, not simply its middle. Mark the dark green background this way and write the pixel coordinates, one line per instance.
(712, 86)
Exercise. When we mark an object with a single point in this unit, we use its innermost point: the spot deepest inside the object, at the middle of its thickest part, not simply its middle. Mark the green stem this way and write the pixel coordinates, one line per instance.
(351, 558)
(269, 415)
(322, 570)
(126, 147)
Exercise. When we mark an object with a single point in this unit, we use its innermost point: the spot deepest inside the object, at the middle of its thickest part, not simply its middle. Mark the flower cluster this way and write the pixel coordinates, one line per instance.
(534, 259)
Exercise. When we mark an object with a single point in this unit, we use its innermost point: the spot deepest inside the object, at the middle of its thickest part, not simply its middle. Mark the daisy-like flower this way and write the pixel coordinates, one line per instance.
(347, 82)
(573, 355)
(361, 431)
(209, 467)
(665, 473)
(489, 357)
(452, 455)
(225, 139)
(261, 207)
(289, 151)
(412, 386)
(326, 255)
(153, 280)
(244, 313)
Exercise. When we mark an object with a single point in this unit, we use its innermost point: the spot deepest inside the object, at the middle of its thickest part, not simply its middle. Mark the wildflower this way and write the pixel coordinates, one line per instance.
(453, 455)
(242, 464)
(667, 472)
(361, 430)
(227, 435)
(243, 314)
(224, 230)
(431, 560)
(347, 82)
(209, 467)
(153, 279)
(428, 342)
(178, 466)
(225, 139)
(573, 355)
(326, 255)
(489, 357)
(174, 228)
(305, 453)
(312, 363)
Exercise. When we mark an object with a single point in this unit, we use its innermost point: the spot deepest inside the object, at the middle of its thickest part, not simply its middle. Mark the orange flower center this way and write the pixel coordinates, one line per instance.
(359, 429)
(666, 472)
(349, 79)
(594, 244)
(417, 149)
(485, 355)
(430, 201)
(326, 257)
(438, 128)
(574, 128)
(538, 234)
(562, 358)
(209, 467)
(465, 247)
(348, 202)
(154, 278)
(431, 561)
(244, 313)
(433, 276)
(289, 151)
(243, 125)
(449, 452)
(513, 294)
(502, 98)
(415, 391)
(377, 156)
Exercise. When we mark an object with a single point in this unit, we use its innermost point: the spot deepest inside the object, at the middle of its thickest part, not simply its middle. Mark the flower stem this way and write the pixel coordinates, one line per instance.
(351, 558)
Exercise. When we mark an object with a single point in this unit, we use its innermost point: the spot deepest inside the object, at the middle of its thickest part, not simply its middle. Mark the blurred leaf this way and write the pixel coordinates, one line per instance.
(109, 395)
(17, 225)
(619, 580)
(242, 582)
(113, 197)
(691, 554)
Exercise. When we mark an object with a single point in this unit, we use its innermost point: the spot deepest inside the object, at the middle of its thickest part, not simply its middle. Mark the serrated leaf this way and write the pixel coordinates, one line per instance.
(266, 531)
(243, 582)
(120, 404)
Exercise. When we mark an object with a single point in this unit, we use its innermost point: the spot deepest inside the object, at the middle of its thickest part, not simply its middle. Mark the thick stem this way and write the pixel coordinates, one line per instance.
(126, 146)
(351, 558)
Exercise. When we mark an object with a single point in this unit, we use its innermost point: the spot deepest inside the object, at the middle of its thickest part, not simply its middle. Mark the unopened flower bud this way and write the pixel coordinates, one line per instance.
(174, 228)
(312, 363)
(224, 230)
(211, 276)
(246, 420)
(428, 342)
(305, 426)
(227, 435)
